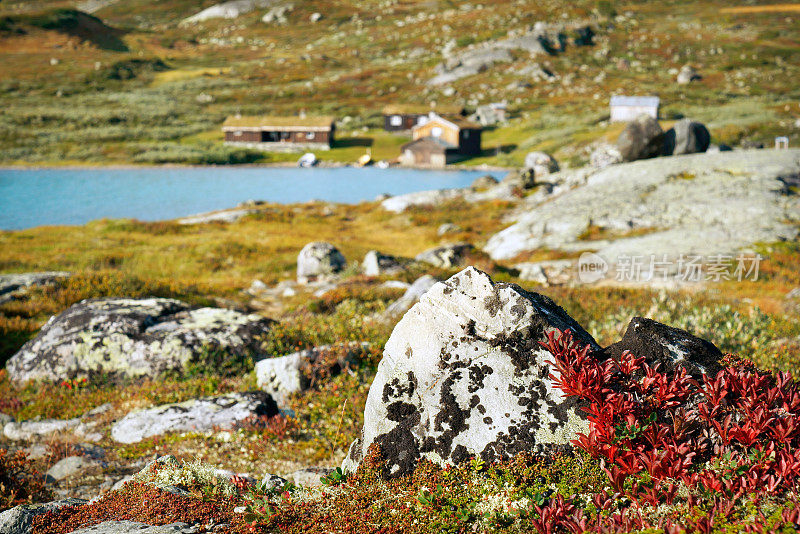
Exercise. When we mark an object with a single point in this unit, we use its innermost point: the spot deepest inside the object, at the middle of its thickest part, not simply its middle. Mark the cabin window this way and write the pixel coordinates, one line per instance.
(285, 136)
(310, 136)
(396, 120)
(466, 134)
(237, 134)
(436, 131)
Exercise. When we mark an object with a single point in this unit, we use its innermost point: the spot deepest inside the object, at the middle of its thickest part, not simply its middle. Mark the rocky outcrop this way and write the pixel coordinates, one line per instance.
(133, 337)
(14, 285)
(698, 204)
(484, 182)
(284, 375)
(410, 297)
(196, 415)
(463, 374)
(400, 203)
(319, 261)
(604, 155)
(686, 137)
(228, 216)
(47, 428)
(309, 477)
(668, 347)
(642, 138)
(377, 264)
(445, 256)
(70, 467)
(19, 520)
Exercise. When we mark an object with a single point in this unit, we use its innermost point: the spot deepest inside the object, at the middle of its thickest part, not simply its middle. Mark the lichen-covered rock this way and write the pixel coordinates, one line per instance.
(541, 163)
(18, 520)
(319, 261)
(28, 430)
(642, 138)
(463, 374)
(284, 375)
(376, 264)
(196, 415)
(131, 338)
(445, 256)
(668, 347)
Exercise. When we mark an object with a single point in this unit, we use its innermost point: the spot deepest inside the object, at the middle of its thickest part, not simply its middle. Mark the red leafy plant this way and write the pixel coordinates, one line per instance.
(722, 440)
(20, 483)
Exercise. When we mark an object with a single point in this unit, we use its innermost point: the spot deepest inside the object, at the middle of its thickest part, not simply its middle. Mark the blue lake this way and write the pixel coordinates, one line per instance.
(39, 197)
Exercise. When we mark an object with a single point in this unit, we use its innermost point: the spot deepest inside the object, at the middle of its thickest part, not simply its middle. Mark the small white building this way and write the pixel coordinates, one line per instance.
(627, 108)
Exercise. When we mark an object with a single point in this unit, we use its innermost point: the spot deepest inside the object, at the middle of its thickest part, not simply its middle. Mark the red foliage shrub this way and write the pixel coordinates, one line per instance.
(19, 482)
(724, 437)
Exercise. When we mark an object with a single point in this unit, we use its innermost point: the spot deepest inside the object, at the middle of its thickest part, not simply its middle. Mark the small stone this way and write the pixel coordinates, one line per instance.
(484, 182)
(319, 261)
(70, 466)
(448, 228)
(410, 297)
(377, 264)
(310, 476)
(541, 163)
(445, 256)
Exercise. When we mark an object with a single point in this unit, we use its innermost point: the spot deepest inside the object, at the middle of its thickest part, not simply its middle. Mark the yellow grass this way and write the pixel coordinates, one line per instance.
(775, 8)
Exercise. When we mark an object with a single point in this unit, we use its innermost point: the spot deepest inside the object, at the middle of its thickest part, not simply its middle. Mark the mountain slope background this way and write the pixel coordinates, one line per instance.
(132, 81)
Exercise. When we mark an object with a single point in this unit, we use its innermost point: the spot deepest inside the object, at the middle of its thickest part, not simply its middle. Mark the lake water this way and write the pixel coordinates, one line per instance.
(76, 196)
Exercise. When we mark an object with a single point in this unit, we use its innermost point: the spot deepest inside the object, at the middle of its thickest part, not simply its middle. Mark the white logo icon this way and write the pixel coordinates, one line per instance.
(591, 268)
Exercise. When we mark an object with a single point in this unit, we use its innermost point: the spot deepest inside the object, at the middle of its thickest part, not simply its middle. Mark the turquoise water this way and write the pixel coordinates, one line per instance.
(76, 196)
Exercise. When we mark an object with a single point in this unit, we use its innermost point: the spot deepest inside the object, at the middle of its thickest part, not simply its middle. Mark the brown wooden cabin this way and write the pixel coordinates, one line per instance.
(280, 133)
(401, 117)
(439, 141)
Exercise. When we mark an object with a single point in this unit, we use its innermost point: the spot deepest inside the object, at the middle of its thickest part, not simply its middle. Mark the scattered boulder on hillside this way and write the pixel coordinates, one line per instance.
(642, 138)
(604, 155)
(278, 14)
(197, 415)
(546, 273)
(668, 347)
(4, 419)
(292, 373)
(412, 295)
(228, 10)
(463, 375)
(584, 36)
(484, 182)
(228, 216)
(489, 115)
(469, 63)
(48, 428)
(399, 203)
(445, 256)
(376, 264)
(541, 163)
(72, 466)
(687, 75)
(13, 286)
(686, 137)
(19, 520)
(133, 337)
(318, 262)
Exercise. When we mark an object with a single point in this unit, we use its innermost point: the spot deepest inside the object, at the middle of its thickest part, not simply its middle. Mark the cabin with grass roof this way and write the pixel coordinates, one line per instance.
(439, 141)
(403, 117)
(280, 133)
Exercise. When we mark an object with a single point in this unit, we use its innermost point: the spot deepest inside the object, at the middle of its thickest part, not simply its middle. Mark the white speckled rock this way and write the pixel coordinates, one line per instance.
(319, 261)
(284, 375)
(445, 256)
(198, 415)
(412, 295)
(376, 264)
(228, 10)
(463, 374)
(130, 338)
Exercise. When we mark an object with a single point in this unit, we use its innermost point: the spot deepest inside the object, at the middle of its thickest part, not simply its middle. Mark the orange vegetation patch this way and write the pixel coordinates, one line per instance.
(775, 8)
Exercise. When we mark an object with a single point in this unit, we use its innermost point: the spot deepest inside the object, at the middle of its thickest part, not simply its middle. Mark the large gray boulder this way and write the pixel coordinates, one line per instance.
(293, 373)
(319, 261)
(687, 137)
(19, 520)
(197, 415)
(642, 138)
(132, 338)
(463, 375)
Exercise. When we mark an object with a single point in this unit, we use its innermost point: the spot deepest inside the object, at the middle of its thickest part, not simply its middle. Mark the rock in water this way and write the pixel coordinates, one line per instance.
(642, 138)
(319, 261)
(463, 374)
(130, 338)
(667, 346)
(196, 415)
(687, 137)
